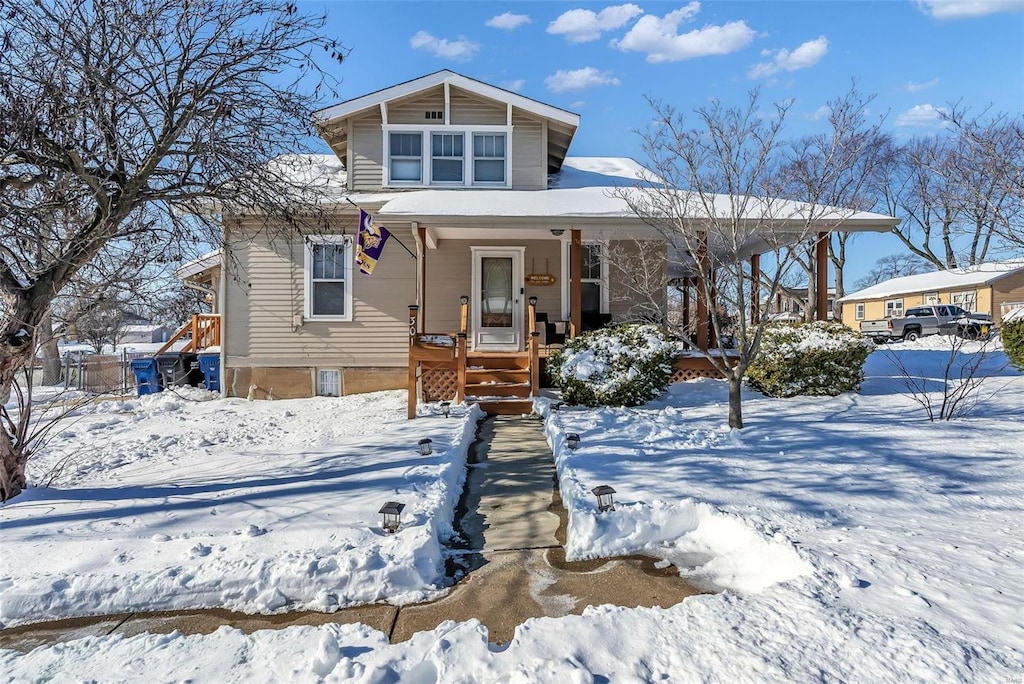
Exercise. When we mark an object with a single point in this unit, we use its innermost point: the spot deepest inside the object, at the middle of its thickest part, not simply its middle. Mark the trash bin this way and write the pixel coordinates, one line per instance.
(209, 364)
(179, 368)
(147, 376)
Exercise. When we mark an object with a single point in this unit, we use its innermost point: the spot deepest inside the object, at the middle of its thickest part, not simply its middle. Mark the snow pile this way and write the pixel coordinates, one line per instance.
(721, 551)
(181, 499)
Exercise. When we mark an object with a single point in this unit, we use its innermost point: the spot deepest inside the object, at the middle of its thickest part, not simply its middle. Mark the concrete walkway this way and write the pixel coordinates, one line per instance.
(514, 525)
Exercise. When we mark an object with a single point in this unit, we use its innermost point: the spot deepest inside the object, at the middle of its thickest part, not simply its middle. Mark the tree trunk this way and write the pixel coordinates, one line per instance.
(12, 456)
(735, 401)
(51, 353)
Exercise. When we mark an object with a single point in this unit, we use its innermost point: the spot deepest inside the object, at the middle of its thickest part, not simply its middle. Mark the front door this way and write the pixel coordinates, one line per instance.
(497, 302)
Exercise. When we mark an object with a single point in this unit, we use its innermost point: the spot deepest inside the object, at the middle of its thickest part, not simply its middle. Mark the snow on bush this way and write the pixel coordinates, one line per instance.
(1012, 335)
(623, 366)
(818, 358)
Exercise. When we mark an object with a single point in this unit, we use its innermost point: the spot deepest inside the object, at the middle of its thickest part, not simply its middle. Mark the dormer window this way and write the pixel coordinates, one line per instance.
(406, 163)
(446, 159)
(447, 156)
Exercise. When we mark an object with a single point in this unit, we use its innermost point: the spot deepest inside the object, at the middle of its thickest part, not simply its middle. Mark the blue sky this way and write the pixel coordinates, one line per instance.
(601, 59)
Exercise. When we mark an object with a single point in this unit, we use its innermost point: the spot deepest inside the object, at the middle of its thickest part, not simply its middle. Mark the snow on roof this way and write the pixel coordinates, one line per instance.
(970, 276)
(149, 327)
(197, 266)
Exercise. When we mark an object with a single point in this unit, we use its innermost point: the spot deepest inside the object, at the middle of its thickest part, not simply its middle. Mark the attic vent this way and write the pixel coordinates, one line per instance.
(434, 116)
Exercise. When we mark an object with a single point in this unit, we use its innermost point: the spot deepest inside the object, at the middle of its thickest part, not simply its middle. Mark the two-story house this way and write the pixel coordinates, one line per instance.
(497, 234)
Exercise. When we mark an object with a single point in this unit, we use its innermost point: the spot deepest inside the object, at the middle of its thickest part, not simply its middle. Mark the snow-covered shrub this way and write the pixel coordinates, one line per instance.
(1012, 334)
(818, 358)
(623, 366)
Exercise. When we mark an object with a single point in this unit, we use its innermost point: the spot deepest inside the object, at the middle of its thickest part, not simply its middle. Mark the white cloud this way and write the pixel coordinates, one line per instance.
(583, 25)
(563, 81)
(578, 104)
(957, 9)
(806, 55)
(659, 37)
(515, 85)
(918, 87)
(818, 114)
(508, 21)
(461, 50)
(921, 115)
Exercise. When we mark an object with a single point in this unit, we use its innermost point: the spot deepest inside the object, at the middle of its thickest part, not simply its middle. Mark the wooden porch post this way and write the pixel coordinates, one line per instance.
(422, 230)
(413, 315)
(686, 305)
(703, 321)
(461, 349)
(575, 273)
(821, 277)
(755, 289)
(534, 347)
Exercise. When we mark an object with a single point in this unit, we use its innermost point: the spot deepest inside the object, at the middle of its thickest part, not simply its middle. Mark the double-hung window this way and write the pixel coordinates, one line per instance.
(592, 280)
(893, 308)
(446, 159)
(328, 269)
(405, 163)
(859, 315)
(489, 158)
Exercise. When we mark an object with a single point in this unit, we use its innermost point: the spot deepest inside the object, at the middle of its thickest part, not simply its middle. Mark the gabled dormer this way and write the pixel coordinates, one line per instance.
(446, 131)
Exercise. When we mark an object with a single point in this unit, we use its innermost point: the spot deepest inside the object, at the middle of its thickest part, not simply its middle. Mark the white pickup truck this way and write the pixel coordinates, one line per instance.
(934, 319)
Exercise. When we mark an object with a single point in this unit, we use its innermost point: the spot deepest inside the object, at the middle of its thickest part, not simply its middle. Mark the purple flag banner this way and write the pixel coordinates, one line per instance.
(369, 243)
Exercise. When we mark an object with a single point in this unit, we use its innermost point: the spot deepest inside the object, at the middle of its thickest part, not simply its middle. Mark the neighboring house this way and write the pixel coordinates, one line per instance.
(791, 303)
(143, 334)
(475, 182)
(991, 288)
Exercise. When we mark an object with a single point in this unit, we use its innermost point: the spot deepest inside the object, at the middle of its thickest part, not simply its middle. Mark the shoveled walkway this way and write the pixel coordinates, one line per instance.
(514, 526)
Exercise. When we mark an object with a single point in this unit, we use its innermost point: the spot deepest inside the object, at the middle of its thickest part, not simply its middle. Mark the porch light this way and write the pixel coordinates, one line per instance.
(392, 512)
(557, 232)
(425, 446)
(605, 500)
(533, 301)
(446, 408)
(572, 440)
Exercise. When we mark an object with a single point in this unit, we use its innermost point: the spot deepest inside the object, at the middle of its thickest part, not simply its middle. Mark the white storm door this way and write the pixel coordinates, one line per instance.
(497, 302)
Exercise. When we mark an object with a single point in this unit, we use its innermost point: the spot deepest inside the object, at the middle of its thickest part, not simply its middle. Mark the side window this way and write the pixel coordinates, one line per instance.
(328, 275)
(943, 311)
(859, 315)
(406, 157)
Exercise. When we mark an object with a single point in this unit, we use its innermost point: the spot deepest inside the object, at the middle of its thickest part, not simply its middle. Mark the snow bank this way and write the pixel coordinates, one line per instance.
(714, 550)
(183, 500)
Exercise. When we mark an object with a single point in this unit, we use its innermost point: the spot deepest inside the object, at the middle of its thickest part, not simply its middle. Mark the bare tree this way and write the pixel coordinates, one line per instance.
(637, 267)
(147, 117)
(720, 200)
(894, 266)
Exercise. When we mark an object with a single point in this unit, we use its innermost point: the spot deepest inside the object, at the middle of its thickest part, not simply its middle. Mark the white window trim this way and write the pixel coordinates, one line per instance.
(858, 311)
(901, 307)
(567, 271)
(308, 275)
(471, 137)
(966, 297)
(927, 296)
(427, 155)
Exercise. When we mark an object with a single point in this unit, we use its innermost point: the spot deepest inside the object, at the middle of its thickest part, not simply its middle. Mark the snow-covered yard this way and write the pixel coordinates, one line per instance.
(852, 539)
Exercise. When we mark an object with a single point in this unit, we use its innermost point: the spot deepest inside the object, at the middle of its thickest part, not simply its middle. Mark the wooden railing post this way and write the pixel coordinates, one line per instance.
(460, 365)
(414, 311)
(534, 347)
(464, 314)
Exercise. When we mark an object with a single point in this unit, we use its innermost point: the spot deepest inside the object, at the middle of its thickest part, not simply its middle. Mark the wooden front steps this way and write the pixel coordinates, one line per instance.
(499, 382)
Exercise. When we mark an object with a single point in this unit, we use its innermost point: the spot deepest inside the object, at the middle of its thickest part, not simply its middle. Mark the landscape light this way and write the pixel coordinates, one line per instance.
(392, 512)
(572, 440)
(425, 448)
(557, 406)
(605, 501)
(446, 408)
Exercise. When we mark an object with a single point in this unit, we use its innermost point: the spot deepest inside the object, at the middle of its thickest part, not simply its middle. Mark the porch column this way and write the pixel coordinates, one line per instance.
(686, 305)
(575, 273)
(755, 289)
(821, 277)
(422, 232)
(703, 322)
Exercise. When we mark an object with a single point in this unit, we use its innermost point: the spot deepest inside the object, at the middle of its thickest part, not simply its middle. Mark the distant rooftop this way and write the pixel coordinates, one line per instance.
(969, 276)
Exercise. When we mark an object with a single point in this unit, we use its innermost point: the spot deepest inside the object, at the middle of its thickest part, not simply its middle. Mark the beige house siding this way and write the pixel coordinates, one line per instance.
(874, 309)
(472, 110)
(367, 151)
(1009, 290)
(411, 110)
(529, 157)
(265, 298)
(622, 298)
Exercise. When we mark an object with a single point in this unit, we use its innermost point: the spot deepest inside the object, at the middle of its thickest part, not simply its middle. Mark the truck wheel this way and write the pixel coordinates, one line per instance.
(911, 335)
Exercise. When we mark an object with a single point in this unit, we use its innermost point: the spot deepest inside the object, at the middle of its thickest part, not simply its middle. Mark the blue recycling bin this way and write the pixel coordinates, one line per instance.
(147, 376)
(210, 365)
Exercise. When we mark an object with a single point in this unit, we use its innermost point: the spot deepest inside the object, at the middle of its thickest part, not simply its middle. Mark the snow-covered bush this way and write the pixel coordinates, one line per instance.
(818, 358)
(623, 366)
(1012, 334)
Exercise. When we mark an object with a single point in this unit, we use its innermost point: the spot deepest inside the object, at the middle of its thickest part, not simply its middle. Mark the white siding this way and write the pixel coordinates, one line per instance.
(367, 146)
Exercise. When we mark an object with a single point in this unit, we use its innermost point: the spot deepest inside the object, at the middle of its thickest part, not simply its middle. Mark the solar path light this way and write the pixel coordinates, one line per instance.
(572, 440)
(605, 500)
(425, 446)
(392, 512)
(446, 408)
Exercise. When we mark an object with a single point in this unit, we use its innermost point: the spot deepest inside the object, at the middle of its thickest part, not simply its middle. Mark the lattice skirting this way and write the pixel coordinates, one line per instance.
(691, 368)
(438, 384)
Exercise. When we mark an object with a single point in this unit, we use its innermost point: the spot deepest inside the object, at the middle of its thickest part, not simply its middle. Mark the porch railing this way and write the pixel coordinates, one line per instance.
(203, 331)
